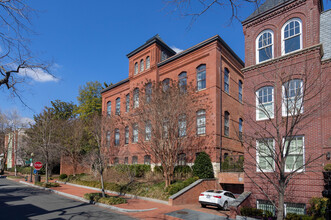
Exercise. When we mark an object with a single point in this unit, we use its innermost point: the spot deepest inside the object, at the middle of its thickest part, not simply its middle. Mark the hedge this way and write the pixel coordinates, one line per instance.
(109, 200)
(138, 170)
(203, 167)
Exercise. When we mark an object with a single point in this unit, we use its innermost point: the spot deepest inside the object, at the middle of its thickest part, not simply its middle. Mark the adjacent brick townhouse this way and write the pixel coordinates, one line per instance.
(286, 41)
(13, 143)
(210, 65)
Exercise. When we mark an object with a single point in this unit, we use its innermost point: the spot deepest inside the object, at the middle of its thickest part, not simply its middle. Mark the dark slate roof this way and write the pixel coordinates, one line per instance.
(115, 85)
(266, 7)
(155, 39)
(191, 49)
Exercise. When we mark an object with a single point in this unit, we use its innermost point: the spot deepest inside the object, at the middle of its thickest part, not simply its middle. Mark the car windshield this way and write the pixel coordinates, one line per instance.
(219, 191)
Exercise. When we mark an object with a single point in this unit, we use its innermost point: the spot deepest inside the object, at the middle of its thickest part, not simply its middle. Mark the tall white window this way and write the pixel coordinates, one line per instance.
(148, 131)
(135, 133)
(109, 108)
(201, 77)
(226, 80)
(240, 94)
(141, 65)
(135, 68)
(295, 155)
(292, 36)
(264, 46)
(292, 97)
(108, 139)
(182, 125)
(265, 103)
(265, 155)
(201, 122)
(118, 106)
(136, 98)
(226, 123)
(148, 62)
(117, 137)
(148, 92)
(127, 103)
(126, 134)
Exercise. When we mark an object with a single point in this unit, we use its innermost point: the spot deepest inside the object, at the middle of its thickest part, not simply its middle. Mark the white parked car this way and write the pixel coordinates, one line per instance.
(218, 198)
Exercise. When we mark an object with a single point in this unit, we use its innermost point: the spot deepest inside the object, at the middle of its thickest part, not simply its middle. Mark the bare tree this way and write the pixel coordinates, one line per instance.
(3, 147)
(16, 59)
(43, 137)
(288, 99)
(166, 123)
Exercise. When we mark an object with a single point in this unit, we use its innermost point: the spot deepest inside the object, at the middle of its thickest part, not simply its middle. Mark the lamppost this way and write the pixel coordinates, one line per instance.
(31, 165)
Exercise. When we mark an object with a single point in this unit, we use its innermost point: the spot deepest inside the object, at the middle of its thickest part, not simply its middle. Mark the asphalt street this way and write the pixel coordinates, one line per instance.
(18, 201)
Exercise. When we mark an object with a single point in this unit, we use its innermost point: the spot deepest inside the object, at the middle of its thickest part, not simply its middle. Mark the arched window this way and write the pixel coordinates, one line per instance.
(181, 159)
(117, 137)
(147, 160)
(226, 123)
(109, 108)
(118, 106)
(148, 62)
(165, 84)
(292, 36)
(240, 129)
(148, 92)
(127, 103)
(108, 139)
(240, 87)
(265, 103)
(226, 80)
(182, 125)
(148, 131)
(292, 97)
(135, 68)
(136, 98)
(201, 121)
(141, 65)
(201, 77)
(126, 134)
(264, 46)
(182, 81)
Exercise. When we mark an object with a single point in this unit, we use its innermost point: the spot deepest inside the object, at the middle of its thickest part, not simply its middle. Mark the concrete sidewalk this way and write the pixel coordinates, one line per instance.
(138, 208)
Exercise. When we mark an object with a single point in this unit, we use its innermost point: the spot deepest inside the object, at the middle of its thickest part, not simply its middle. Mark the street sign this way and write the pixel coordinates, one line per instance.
(38, 165)
(35, 171)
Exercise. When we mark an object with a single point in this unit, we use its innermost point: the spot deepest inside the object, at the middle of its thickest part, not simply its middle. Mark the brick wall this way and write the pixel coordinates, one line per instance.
(67, 167)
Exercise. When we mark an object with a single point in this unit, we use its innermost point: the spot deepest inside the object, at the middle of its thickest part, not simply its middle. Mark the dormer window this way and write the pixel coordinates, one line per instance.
(264, 46)
(135, 68)
(291, 36)
(141, 65)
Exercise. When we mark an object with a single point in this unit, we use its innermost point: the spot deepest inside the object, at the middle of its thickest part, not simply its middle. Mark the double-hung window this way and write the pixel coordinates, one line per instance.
(148, 131)
(292, 97)
(141, 65)
(240, 89)
(294, 153)
(108, 139)
(136, 98)
(166, 84)
(135, 160)
(135, 133)
(240, 129)
(148, 92)
(291, 36)
(135, 68)
(109, 108)
(265, 103)
(182, 125)
(201, 77)
(126, 134)
(201, 122)
(264, 43)
(226, 80)
(182, 159)
(226, 124)
(182, 81)
(117, 137)
(148, 62)
(265, 154)
(127, 103)
(147, 160)
(118, 106)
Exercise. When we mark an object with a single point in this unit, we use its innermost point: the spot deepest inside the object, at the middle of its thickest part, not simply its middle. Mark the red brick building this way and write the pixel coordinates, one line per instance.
(287, 74)
(210, 65)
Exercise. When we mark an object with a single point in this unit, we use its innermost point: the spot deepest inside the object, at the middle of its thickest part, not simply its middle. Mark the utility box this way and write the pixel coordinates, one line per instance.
(37, 178)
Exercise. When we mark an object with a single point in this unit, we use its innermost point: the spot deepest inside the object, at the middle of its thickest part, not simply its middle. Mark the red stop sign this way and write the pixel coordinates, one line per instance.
(38, 165)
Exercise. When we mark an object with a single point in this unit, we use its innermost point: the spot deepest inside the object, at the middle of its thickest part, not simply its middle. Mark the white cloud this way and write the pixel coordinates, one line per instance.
(177, 50)
(26, 121)
(38, 75)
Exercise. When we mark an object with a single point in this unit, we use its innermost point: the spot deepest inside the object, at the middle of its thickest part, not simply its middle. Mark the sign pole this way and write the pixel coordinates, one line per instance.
(31, 165)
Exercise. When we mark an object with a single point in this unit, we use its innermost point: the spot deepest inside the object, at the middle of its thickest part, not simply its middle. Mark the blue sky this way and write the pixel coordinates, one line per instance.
(89, 40)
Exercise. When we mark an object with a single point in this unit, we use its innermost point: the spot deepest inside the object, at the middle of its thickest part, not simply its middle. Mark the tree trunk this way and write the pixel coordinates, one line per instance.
(102, 185)
(46, 172)
(167, 179)
(280, 211)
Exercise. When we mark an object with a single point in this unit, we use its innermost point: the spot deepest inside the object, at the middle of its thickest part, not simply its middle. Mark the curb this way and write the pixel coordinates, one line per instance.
(116, 193)
(88, 201)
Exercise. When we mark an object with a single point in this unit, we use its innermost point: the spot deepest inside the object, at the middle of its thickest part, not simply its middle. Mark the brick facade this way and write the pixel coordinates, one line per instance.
(316, 129)
(216, 55)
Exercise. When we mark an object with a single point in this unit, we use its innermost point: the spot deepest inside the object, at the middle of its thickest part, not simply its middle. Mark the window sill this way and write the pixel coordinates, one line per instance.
(201, 90)
(289, 53)
(264, 119)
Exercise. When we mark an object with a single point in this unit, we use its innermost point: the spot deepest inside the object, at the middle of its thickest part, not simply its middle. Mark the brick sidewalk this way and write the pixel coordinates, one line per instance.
(138, 204)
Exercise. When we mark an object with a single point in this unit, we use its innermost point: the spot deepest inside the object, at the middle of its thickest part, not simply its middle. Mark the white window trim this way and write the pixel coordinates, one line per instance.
(283, 101)
(282, 35)
(303, 154)
(258, 109)
(257, 46)
(257, 158)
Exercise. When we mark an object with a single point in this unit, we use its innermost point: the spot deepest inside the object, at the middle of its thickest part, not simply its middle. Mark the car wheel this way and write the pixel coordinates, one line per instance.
(203, 205)
(225, 206)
